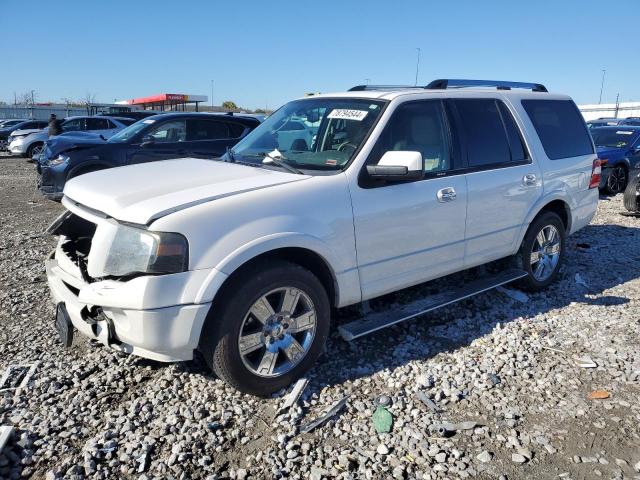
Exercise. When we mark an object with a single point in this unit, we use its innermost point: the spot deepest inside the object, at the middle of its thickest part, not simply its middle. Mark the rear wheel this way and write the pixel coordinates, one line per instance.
(269, 327)
(617, 180)
(542, 251)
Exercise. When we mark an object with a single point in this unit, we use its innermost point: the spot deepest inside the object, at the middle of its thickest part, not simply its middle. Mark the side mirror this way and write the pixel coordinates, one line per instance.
(398, 166)
(147, 140)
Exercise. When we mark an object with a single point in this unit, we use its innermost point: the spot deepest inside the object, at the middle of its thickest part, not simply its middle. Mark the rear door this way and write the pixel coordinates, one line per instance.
(503, 183)
(209, 137)
(165, 141)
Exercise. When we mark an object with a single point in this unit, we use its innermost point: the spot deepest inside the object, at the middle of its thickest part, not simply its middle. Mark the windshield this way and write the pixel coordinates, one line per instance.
(320, 133)
(131, 131)
(613, 138)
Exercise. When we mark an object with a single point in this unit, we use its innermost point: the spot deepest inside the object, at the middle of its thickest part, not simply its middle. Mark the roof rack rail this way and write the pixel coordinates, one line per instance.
(444, 83)
(360, 88)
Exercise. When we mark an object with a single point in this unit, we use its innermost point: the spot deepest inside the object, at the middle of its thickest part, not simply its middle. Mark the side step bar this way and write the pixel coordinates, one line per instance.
(399, 313)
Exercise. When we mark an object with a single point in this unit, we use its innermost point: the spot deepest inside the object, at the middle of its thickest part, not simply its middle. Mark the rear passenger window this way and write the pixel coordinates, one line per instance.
(204, 129)
(516, 145)
(484, 130)
(235, 130)
(560, 127)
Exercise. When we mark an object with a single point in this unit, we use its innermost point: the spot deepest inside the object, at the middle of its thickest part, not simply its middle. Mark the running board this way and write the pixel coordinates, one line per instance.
(399, 313)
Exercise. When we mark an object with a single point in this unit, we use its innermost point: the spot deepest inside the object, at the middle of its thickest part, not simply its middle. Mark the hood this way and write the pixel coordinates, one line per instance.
(27, 131)
(145, 192)
(611, 153)
(63, 143)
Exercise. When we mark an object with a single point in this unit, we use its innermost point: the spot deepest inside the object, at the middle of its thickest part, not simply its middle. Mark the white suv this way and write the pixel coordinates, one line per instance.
(245, 257)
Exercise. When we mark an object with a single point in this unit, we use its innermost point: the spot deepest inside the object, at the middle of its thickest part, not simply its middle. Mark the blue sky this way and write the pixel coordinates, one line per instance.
(264, 53)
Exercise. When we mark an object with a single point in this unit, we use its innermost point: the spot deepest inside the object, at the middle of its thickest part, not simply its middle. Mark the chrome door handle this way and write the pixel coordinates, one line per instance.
(529, 180)
(446, 195)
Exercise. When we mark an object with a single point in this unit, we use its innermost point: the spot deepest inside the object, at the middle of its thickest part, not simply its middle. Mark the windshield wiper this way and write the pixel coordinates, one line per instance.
(278, 159)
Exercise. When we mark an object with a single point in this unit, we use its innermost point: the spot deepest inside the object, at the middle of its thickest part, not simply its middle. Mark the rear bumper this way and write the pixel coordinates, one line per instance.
(110, 312)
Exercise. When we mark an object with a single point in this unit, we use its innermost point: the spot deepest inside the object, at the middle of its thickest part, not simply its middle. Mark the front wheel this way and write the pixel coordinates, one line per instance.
(34, 150)
(268, 329)
(542, 251)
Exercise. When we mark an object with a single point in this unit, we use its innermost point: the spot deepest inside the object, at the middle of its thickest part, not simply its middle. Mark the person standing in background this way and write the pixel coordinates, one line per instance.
(54, 126)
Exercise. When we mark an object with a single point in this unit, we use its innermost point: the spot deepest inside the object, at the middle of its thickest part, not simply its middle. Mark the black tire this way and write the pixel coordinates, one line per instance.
(222, 328)
(32, 147)
(631, 193)
(617, 180)
(82, 171)
(530, 282)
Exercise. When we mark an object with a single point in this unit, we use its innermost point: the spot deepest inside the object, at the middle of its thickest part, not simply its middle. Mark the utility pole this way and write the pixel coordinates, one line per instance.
(617, 105)
(211, 95)
(33, 101)
(602, 85)
(417, 67)
(367, 80)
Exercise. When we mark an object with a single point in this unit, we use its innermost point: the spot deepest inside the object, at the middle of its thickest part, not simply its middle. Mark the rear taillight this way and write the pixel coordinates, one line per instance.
(596, 173)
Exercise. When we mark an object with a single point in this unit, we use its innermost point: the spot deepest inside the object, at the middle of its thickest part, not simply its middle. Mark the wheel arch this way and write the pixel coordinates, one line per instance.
(556, 204)
(86, 168)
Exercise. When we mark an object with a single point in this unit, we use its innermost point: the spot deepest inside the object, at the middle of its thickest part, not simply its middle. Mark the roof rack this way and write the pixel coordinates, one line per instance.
(360, 88)
(444, 83)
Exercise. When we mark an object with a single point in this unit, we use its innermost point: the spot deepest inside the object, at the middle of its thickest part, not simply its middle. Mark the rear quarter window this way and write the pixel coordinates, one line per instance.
(560, 127)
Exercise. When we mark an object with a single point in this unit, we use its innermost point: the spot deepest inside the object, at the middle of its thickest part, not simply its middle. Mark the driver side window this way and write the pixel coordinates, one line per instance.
(171, 131)
(418, 126)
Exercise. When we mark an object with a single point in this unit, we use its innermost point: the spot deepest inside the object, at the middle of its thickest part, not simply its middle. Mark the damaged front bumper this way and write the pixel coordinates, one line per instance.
(150, 316)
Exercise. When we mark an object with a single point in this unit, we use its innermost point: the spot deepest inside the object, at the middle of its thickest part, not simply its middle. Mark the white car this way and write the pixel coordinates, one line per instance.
(246, 258)
(29, 143)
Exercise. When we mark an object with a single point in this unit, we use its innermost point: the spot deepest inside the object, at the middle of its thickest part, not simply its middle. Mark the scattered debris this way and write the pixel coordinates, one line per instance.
(294, 395)
(5, 434)
(143, 461)
(428, 402)
(495, 379)
(446, 429)
(382, 420)
(555, 350)
(383, 401)
(580, 281)
(585, 362)
(17, 377)
(332, 412)
(484, 456)
(598, 395)
(514, 294)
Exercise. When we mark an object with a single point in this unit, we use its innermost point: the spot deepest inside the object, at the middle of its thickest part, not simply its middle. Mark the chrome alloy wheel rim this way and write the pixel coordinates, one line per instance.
(36, 151)
(277, 332)
(545, 253)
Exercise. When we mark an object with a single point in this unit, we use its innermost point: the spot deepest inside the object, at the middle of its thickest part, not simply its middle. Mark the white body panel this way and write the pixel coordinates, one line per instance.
(373, 240)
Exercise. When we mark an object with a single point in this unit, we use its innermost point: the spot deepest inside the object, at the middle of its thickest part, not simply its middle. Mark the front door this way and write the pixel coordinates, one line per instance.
(408, 233)
(167, 140)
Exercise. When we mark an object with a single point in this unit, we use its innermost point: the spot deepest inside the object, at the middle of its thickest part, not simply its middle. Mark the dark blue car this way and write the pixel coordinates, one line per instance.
(161, 137)
(618, 148)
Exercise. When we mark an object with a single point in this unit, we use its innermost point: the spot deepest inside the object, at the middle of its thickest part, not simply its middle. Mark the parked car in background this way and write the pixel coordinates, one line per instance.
(24, 125)
(30, 144)
(161, 137)
(134, 114)
(618, 149)
(245, 259)
(634, 121)
(9, 122)
(603, 122)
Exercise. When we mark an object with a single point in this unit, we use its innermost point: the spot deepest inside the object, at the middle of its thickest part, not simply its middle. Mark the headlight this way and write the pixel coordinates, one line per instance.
(58, 160)
(134, 250)
(16, 137)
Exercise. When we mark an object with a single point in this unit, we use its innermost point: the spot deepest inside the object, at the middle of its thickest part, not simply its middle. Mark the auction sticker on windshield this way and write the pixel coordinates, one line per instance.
(348, 114)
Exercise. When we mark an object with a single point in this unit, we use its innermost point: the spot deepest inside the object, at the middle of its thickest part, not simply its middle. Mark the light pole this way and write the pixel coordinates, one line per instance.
(602, 85)
(417, 67)
(211, 95)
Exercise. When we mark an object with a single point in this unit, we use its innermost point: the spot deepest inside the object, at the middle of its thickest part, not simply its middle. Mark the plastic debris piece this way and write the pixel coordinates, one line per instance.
(295, 393)
(383, 401)
(515, 294)
(495, 379)
(5, 434)
(382, 420)
(332, 412)
(598, 395)
(580, 281)
(428, 402)
(585, 362)
(469, 425)
(444, 429)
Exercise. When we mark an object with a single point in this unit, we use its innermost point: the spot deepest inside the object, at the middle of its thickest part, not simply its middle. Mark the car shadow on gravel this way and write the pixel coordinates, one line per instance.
(457, 326)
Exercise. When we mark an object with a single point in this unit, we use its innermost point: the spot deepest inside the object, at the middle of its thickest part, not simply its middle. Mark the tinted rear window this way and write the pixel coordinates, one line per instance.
(560, 127)
(487, 142)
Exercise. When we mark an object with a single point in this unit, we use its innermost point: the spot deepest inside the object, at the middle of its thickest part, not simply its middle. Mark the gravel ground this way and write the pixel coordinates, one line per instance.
(508, 366)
